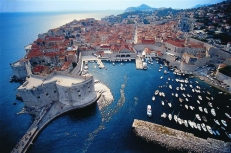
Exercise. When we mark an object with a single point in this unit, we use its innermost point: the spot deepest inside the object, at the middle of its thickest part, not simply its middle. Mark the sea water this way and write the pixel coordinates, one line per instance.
(90, 129)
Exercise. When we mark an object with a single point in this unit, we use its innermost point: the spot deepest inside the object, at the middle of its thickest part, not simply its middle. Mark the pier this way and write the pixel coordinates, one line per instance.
(178, 140)
(139, 63)
(46, 115)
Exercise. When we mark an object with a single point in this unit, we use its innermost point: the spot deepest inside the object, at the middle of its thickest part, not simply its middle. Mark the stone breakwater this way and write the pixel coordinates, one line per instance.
(178, 140)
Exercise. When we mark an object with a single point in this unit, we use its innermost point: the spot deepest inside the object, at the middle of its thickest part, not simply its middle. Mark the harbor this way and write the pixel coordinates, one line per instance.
(52, 111)
(178, 140)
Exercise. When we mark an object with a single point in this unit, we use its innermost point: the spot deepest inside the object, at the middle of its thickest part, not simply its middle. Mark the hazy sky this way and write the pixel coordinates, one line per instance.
(64, 5)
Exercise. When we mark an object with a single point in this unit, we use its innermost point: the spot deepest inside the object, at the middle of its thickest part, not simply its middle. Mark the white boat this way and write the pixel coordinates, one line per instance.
(172, 94)
(198, 101)
(186, 123)
(198, 126)
(198, 117)
(211, 98)
(200, 108)
(204, 118)
(217, 122)
(183, 94)
(169, 79)
(153, 98)
(223, 128)
(113, 63)
(163, 115)
(176, 95)
(163, 94)
(193, 90)
(159, 70)
(209, 129)
(170, 105)
(186, 99)
(121, 64)
(191, 107)
(224, 122)
(177, 88)
(228, 115)
(165, 72)
(210, 104)
(170, 86)
(175, 118)
(213, 112)
(203, 127)
(186, 106)
(160, 93)
(207, 98)
(156, 92)
(179, 120)
(181, 100)
(190, 86)
(170, 117)
(199, 97)
(149, 110)
(162, 102)
(161, 77)
(194, 125)
(208, 92)
(190, 123)
(189, 95)
(205, 110)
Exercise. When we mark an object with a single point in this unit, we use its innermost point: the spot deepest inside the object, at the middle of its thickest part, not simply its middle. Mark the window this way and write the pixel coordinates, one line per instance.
(38, 97)
(79, 95)
(55, 91)
(47, 94)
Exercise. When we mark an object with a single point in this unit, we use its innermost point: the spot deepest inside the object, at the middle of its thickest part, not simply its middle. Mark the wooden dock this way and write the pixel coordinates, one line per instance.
(139, 63)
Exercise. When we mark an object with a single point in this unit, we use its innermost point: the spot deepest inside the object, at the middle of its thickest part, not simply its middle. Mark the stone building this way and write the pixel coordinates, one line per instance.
(67, 89)
(21, 69)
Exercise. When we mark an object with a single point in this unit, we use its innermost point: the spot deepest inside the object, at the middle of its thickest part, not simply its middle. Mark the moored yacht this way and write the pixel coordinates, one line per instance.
(198, 126)
(228, 115)
(216, 121)
(153, 98)
(175, 118)
(199, 97)
(162, 102)
(209, 129)
(170, 86)
(170, 105)
(198, 101)
(156, 92)
(210, 104)
(170, 117)
(176, 95)
(186, 106)
(224, 122)
(181, 100)
(213, 112)
(149, 110)
(200, 108)
(204, 118)
(163, 115)
(203, 127)
(205, 110)
(186, 123)
(198, 117)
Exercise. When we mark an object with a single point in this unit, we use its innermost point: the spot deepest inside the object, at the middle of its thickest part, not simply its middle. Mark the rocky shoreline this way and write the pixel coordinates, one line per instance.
(178, 140)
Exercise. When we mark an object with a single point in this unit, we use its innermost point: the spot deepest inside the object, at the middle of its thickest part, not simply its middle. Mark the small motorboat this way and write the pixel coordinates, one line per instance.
(217, 122)
(213, 112)
(224, 122)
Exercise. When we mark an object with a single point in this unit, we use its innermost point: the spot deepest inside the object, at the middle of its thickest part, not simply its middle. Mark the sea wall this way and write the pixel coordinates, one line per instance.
(178, 140)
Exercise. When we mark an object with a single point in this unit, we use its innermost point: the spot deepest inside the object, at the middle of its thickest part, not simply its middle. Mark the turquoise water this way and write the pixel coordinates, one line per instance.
(89, 129)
